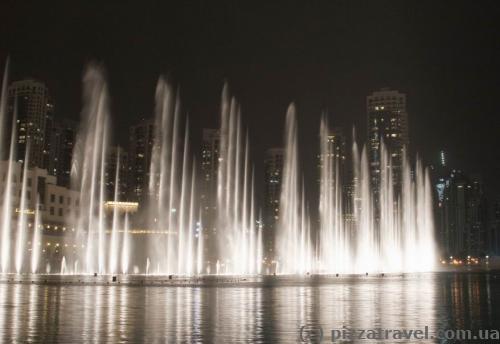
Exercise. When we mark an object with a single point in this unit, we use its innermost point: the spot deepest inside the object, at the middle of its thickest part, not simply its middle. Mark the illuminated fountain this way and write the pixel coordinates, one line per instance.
(172, 190)
(88, 171)
(36, 240)
(335, 234)
(397, 237)
(294, 244)
(239, 239)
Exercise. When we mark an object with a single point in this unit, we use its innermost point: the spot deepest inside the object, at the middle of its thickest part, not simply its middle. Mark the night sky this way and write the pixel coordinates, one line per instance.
(322, 55)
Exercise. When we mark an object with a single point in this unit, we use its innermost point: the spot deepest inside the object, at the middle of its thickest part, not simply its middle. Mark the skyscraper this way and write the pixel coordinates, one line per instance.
(494, 230)
(335, 152)
(31, 99)
(60, 136)
(116, 155)
(141, 140)
(209, 164)
(208, 198)
(388, 127)
(461, 215)
(273, 177)
(334, 167)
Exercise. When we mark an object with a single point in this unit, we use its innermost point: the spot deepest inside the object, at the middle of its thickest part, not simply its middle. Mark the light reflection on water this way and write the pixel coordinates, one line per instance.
(119, 313)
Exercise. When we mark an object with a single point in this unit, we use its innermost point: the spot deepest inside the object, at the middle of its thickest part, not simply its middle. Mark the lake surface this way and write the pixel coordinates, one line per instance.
(261, 313)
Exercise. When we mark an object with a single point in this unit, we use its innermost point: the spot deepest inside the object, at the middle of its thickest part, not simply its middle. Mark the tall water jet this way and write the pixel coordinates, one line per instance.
(22, 222)
(113, 252)
(260, 247)
(392, 236)
(366, 255)
(199, 247)
(171, 194)
(190, 253)
(294, 248)
(125, 255)
(391, 258)
(237, 243)
(6, 211)
(88, 169)
(161, 174)
(335, 240)
(3, 109)
(7, 203)
(181, 238)
(36, 241)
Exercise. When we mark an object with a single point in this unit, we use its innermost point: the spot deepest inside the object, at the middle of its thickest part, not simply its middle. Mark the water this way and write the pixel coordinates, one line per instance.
(397, 238)
(274, 314)
(295, 253)
(239, 242)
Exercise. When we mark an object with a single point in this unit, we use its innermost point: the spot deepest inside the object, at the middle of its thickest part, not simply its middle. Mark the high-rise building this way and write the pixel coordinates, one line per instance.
(494, 230)
(59, 144)
(273, 177)
(387, 124)
(335, 152)
(209, 165)
(461, 215)
(139, 158)
(33, 106)
(116, 157)
(208, 199)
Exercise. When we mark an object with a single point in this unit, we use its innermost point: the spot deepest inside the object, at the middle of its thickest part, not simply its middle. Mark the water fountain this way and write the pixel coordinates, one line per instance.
(395, 236)
(238, 236)
(398, 239)
(36, 241)
(172, 189)
(294, 244)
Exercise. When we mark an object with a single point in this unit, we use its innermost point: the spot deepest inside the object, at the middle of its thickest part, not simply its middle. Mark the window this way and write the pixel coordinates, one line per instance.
(69, 200)
(29, 182)
(60, 211)
(51, 210)
(52, 198)
(61, 199)
(28, 195)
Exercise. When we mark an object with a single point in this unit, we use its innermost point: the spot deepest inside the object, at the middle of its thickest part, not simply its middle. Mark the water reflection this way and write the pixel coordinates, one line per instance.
(100, 313)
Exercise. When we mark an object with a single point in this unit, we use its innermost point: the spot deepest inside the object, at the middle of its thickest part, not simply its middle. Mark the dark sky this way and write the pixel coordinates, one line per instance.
(322, 55)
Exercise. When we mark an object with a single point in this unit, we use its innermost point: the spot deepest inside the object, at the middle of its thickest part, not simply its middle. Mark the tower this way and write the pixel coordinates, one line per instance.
(388, 127)
(31, 101)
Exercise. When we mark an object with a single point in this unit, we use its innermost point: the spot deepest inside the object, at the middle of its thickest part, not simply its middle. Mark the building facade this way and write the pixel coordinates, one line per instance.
(273, 167)
(117, 159)
(462, 217)
(60, 142)
(208, 198)
(387, 127)
(30, 102)
(141, 140)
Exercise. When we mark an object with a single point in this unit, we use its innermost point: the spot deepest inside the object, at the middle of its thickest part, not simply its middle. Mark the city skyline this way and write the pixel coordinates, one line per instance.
(465, 223)
(59, 128)
(449, 87)
(242, 171)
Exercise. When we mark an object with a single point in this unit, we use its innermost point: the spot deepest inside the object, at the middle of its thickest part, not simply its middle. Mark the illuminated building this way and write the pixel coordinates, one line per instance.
(208, 197)
(461, 215)
(273, 175)
(141, 138)
(57, 204)
(30, 98)
(58, 152)
(117, 154)
(388, 124)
